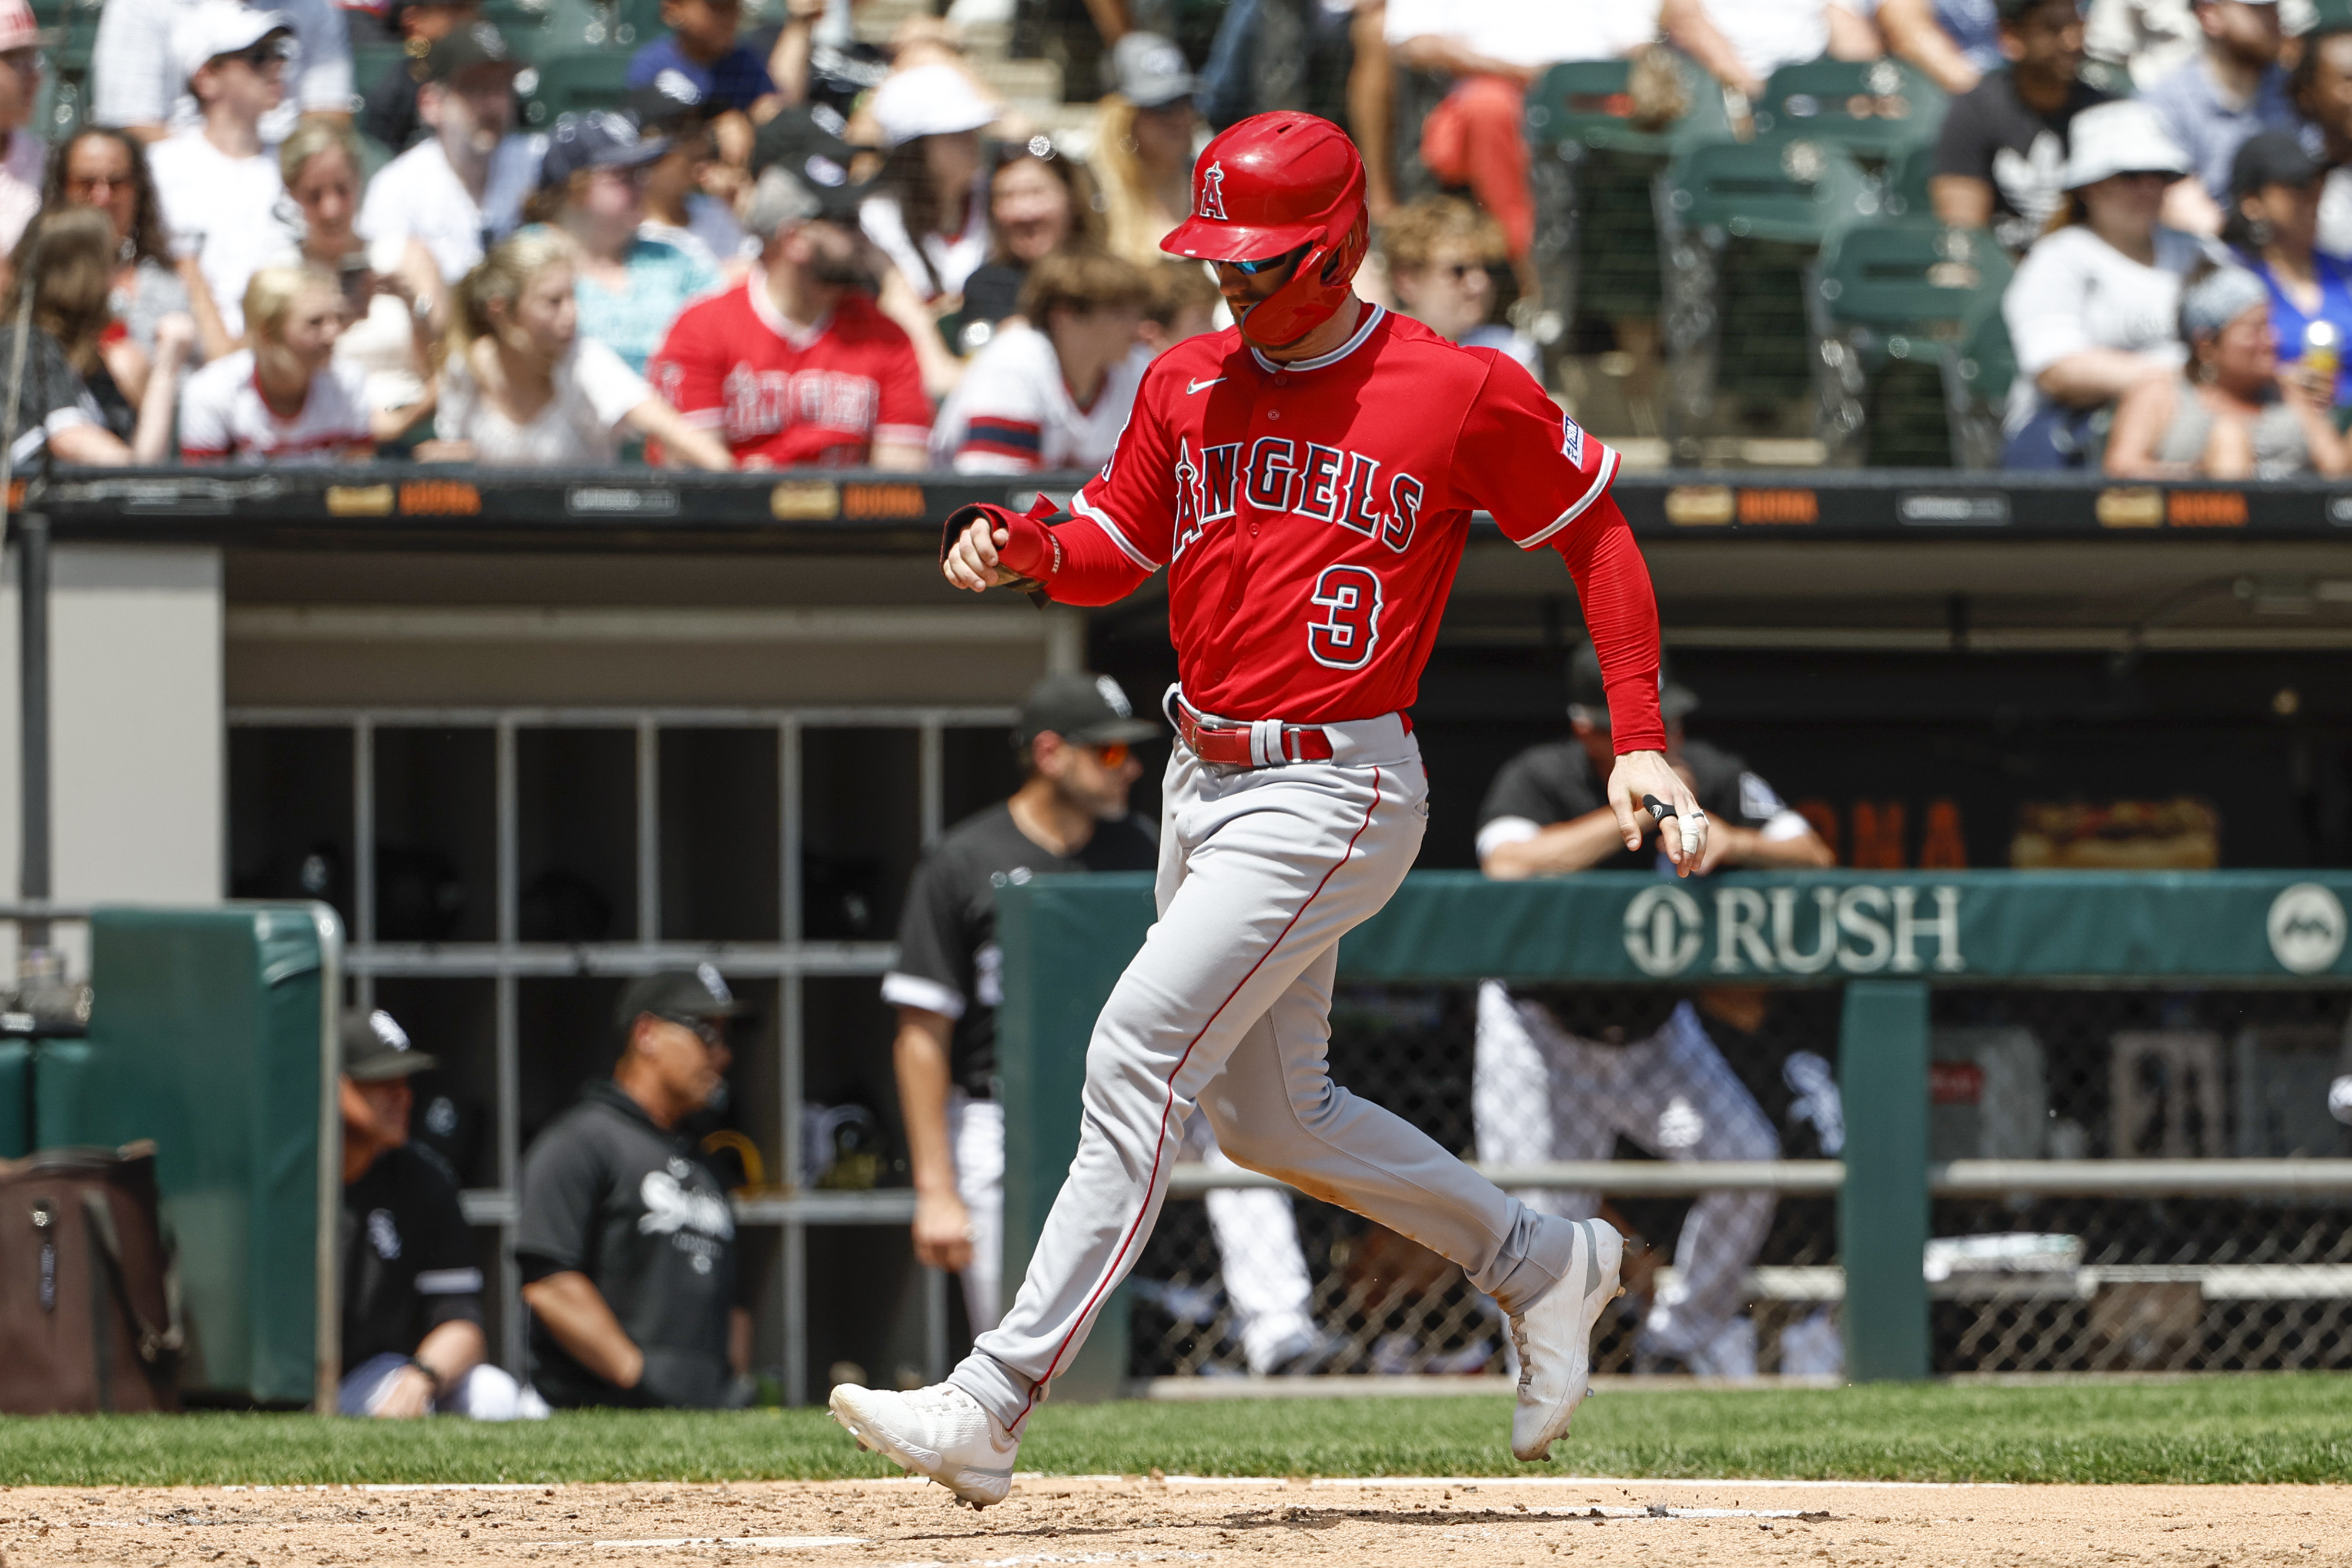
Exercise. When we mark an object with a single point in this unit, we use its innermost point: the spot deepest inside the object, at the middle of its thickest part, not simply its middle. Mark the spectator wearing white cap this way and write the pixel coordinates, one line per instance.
(2234, 87)
(929, 214)
(218, 182)
(21, 151)
(2092, 310)
(631, 285)
(462, 189)
(140, 81)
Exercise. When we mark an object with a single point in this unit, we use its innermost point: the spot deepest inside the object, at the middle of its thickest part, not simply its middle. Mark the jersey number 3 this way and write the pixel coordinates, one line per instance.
(1348, 620)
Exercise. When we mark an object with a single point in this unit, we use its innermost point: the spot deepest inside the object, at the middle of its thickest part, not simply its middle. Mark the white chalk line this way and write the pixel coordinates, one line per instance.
(752, 1543)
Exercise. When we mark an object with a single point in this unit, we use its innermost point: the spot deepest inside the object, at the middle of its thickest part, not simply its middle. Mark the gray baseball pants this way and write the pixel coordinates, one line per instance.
(1228, 1007)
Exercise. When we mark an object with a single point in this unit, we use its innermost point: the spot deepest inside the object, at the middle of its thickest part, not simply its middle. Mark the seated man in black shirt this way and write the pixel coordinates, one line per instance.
(412, 1291)
(2003, 144)
(1076, 741)
(1561, 1072)
(626, 1241)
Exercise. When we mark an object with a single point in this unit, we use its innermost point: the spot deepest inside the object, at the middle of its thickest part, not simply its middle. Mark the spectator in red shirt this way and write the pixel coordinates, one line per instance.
(795, 367)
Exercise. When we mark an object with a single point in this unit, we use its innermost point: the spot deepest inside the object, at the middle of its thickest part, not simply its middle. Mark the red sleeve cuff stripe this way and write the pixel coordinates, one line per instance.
(1101, 519)
(1602, 476)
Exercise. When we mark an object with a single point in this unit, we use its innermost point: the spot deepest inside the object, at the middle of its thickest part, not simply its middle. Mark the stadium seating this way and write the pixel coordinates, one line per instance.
(1593, 167)
(574, 82)
(1737, 225)
(1978, 369)
(1874, 109)
(1888, 300)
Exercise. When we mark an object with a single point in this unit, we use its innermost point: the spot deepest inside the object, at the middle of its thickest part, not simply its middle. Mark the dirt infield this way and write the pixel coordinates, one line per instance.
(1049, 1521)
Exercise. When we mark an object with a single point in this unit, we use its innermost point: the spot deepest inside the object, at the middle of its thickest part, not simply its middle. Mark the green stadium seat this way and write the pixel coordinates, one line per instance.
(1738, 223)
(1875, 108)
(1888, 300)
(1978, 370)
(1905, 182)
(636, 22)
(1591, 169)
(573, 83)
(65, 81)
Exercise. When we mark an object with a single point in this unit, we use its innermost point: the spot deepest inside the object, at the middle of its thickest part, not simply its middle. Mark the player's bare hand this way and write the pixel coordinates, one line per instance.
(1639, 773)
(942, 1233)
(972, 561)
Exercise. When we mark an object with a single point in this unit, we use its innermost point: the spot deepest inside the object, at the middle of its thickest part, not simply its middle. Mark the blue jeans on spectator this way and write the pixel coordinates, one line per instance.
(2058, 439)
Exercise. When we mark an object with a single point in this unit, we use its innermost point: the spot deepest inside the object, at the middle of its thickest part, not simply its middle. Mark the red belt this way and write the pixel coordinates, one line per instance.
(1230, 743)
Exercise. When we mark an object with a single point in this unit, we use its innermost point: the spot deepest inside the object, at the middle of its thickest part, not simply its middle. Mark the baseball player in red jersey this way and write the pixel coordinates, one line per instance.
(1307, 481)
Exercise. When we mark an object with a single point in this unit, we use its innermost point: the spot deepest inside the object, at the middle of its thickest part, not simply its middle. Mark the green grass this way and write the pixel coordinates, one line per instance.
(2261, 1429)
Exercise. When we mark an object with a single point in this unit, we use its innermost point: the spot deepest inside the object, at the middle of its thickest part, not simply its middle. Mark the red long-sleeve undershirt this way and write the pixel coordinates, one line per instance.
(1078, 564)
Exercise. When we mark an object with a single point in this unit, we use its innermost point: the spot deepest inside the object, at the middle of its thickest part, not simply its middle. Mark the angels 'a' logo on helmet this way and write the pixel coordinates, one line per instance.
(1212, 193)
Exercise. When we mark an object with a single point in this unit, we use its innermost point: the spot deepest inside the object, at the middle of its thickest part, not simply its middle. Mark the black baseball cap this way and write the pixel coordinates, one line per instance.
(1088, 709)
(463, 48)
(682, 996)
(1588, 697)
(600, 138)
(807, 145)
(671, 103)
(2270, 158)
(376, 1049)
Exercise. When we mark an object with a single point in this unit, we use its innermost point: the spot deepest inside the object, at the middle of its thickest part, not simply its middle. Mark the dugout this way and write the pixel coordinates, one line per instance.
(532, 733)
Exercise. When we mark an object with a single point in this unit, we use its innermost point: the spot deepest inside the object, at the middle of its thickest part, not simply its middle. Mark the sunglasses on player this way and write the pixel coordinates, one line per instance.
(1112, 753)
(1252, 269)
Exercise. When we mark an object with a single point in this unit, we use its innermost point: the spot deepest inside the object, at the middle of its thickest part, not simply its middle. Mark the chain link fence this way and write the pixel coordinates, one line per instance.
(1730, 1283)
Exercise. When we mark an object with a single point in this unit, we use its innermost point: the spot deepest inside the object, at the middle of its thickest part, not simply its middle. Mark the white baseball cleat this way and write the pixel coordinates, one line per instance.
(939, 1432)
(1554, 1339)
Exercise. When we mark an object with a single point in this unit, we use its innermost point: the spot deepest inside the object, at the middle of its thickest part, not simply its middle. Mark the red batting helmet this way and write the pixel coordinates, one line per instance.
(1269, 185)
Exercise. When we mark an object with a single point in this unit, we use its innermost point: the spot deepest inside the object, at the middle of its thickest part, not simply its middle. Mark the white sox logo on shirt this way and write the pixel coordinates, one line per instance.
(671, 1206)
(1304, 478)
(1349, 597)
(1212, 193)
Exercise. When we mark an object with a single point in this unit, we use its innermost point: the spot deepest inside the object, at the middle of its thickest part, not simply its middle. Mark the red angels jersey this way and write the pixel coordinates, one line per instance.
(1311, 516)
(785, 397)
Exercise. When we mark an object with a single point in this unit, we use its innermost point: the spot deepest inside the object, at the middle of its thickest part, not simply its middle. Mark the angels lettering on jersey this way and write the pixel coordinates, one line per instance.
(1300, 478)
(761, 403)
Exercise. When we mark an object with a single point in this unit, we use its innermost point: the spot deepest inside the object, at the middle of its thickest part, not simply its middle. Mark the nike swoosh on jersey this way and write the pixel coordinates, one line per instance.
(1196, 386)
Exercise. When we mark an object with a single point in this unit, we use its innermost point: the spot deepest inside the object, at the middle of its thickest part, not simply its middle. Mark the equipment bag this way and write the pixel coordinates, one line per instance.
(90, 1297)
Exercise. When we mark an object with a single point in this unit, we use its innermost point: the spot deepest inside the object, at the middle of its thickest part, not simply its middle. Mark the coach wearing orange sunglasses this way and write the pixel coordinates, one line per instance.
(1077, 744)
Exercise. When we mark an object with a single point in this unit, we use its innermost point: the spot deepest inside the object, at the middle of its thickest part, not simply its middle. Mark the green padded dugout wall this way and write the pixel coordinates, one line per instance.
(1075, 950)
(209, 1032)
(1897, 932)
(15, 1098)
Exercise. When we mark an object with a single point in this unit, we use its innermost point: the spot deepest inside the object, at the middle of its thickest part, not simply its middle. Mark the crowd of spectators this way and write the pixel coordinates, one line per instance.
(780, 246)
